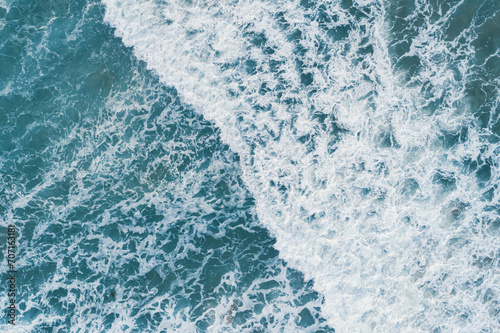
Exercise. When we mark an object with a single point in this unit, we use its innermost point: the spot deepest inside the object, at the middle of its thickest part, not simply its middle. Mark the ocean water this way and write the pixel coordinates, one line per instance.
(251, 166)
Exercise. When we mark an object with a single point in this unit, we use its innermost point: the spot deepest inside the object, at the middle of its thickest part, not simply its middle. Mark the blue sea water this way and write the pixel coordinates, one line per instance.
(251, 165)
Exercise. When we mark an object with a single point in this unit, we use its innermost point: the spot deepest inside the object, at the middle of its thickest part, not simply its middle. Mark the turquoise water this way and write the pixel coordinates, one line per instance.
(252, 166)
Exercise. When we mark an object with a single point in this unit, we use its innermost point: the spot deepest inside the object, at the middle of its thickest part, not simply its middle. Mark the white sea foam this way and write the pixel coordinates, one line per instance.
(351, 171)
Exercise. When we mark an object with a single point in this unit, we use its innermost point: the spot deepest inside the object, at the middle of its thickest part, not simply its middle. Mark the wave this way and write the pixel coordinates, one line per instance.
(359, 139)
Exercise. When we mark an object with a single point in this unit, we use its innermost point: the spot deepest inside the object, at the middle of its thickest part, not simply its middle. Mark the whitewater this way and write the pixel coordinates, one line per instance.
(366, 132)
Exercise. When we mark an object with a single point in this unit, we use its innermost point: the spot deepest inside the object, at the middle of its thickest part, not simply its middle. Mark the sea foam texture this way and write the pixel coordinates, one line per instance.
(359, 172)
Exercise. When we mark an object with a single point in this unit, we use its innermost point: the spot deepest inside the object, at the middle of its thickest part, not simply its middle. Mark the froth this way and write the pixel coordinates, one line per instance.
(360, 173)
